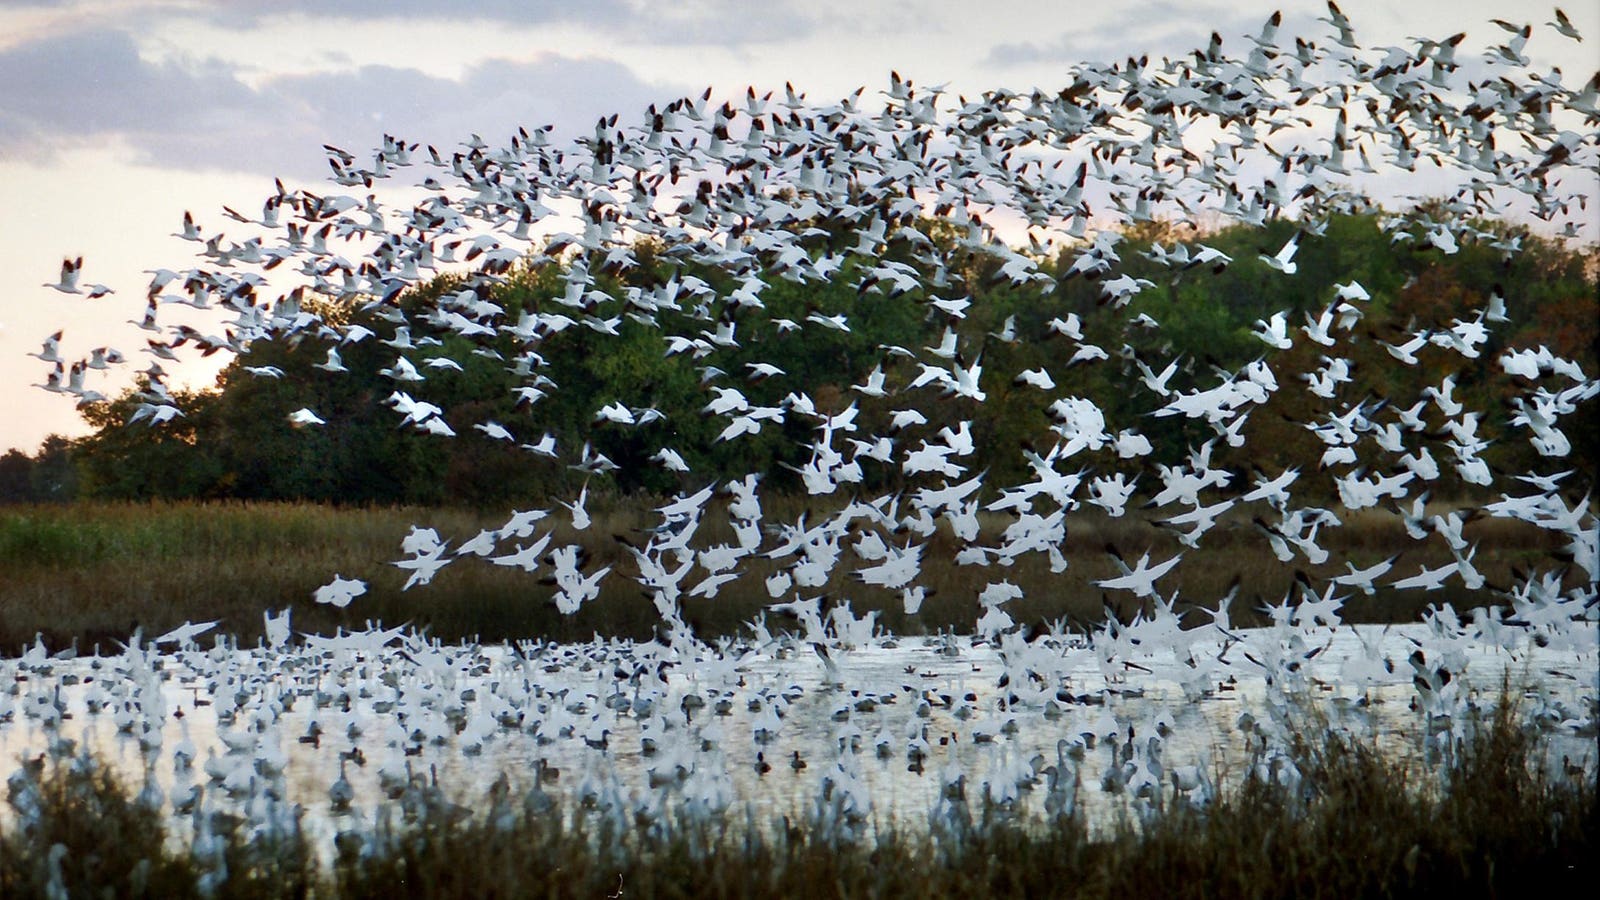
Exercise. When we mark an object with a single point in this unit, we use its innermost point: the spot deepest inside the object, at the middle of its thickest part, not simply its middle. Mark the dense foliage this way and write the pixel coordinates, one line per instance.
(233, 443)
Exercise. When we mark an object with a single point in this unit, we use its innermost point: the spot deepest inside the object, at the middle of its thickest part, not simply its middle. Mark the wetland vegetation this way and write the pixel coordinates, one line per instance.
(1493, 821)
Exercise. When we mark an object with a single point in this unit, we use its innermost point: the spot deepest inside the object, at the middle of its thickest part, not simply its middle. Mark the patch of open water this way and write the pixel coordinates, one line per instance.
(885, 731)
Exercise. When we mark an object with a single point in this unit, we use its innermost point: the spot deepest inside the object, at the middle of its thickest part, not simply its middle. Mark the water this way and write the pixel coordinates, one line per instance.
(583, 715)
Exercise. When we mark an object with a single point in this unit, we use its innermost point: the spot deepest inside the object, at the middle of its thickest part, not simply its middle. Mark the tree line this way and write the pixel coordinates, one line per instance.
(233, 441)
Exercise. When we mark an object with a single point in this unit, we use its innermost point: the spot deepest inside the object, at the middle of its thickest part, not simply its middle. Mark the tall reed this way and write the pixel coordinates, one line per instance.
(1356, 823)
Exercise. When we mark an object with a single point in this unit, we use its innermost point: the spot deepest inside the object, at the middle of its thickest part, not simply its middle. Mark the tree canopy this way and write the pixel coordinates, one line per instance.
(231, 442)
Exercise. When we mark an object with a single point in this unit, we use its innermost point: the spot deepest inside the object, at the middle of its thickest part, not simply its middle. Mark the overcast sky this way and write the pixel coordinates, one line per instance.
(119, 115)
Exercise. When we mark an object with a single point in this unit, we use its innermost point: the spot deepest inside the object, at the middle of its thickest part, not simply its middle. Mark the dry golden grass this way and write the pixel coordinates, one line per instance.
(93, 572)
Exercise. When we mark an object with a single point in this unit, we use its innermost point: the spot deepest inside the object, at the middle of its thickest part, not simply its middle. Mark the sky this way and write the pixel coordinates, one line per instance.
(120, 115)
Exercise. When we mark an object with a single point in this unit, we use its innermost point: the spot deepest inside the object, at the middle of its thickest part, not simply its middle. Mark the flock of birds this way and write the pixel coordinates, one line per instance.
(763, 190)
(348, 734)
(779, 187)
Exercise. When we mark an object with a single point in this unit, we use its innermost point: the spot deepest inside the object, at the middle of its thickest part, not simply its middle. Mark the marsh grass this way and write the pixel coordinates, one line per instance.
(1357, 823)
(87, 835)
(93, 572)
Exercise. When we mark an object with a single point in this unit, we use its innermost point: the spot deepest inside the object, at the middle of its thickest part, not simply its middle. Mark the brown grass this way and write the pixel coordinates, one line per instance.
(93, 572)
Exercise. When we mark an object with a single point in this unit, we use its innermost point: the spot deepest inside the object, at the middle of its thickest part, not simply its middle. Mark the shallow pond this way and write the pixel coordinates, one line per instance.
(884, 731)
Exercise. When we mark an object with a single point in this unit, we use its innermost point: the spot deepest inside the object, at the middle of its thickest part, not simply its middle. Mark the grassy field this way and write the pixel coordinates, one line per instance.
(92, 572)
(1358, 824)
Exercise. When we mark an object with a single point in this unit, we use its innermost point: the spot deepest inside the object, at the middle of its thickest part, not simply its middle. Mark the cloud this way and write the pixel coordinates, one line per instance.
(718, 22)
(353, 110)
(90, 87)
(88, 84)
(640, 22)
(529, 12)
(1159, 28)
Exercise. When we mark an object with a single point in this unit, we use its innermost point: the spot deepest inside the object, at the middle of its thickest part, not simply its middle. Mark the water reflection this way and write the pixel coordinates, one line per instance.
(885, 733)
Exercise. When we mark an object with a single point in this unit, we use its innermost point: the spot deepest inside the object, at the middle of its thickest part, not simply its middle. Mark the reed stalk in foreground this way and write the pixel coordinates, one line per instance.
(1356, 823)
